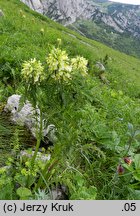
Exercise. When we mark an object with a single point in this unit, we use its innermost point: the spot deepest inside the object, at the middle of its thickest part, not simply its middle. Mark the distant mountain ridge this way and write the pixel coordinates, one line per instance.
(91, 16)
(63, 11)
(122, 18)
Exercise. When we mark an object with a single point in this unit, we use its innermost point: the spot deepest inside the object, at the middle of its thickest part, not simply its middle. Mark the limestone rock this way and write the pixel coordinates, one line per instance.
(40, 156)
(120, 17)
(63, 11)
(1, 13)
(28, 116)
(12, 104)
(100, 67)
(59, 193)
(36, 5)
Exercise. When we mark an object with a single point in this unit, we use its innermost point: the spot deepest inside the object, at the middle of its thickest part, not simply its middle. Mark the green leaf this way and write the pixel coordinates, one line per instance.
(137, 176)
(85, 193)
(137, 194)
(137, 133)
(130, 127)
(137, 161)
(23, 193)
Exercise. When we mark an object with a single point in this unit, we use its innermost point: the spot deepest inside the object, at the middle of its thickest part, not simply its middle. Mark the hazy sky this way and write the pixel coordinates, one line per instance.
(136, 2)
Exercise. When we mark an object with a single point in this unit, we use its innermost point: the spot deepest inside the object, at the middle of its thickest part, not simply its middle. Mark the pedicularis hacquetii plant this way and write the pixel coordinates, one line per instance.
(58, 71)
(94, 154)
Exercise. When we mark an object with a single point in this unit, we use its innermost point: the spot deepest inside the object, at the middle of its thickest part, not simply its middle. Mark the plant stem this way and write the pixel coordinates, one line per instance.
(39, 136)
(46, 173)
(129, 145)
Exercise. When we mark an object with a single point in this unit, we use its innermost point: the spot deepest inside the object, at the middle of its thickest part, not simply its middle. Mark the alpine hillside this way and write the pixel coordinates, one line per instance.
(115, 24)
(69, 112)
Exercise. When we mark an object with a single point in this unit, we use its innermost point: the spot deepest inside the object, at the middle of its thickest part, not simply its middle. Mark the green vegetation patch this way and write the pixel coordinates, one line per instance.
(96, 112)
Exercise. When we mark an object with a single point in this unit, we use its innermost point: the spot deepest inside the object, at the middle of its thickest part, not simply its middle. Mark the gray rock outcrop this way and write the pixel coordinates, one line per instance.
(27, 115)
(63, 11)
(1, 13)
(122, 18)
(40, 156)
(100, 67)
(36, 5)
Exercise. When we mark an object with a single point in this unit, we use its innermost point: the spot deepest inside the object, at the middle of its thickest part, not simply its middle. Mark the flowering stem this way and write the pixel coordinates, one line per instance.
(129, 145)
(39, 136)
(61, 92)
(46, 173)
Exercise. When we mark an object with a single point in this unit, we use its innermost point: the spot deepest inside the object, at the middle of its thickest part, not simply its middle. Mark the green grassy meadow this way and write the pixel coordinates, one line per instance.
(97, 119)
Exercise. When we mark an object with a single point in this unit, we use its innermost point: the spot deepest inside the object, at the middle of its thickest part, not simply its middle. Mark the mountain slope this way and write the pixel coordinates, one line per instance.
(122, 18)
(31, 40)
(96, 111)
(117, 25)
(63, 11)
